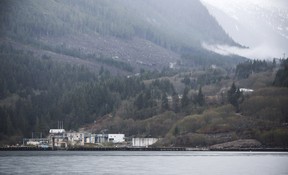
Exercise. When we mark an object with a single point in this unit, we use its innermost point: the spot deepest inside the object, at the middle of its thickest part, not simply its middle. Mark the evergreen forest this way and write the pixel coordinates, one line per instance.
(125, 66)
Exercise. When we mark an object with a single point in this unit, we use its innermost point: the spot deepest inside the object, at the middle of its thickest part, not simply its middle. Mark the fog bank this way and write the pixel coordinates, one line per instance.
(263, 51)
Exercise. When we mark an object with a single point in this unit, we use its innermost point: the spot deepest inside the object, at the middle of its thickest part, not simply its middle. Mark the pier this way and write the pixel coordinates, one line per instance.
(94, 149)
(25, 148)
(127, 149)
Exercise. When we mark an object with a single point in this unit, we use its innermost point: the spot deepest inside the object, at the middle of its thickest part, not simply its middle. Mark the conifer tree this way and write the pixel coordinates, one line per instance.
(234, 96)
(164, 102)
(200, 97)
(185, 98)
(175, 103)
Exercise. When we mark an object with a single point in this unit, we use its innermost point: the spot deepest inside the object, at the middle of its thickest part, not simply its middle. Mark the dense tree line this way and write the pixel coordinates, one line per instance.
(281, 78)
(31, 89)
(235, 96)
(26, 21)
(243, 70)
(200, 58)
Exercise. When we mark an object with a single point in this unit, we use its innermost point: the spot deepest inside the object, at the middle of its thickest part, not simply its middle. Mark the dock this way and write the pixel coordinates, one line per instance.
(128, 149)
(94, 149)
(25, 148)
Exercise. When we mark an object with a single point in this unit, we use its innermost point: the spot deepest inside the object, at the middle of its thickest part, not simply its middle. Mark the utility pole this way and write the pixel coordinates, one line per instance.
(60, 124)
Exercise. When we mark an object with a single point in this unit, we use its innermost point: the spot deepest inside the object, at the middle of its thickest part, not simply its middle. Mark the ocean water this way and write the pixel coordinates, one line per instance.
(146, 162)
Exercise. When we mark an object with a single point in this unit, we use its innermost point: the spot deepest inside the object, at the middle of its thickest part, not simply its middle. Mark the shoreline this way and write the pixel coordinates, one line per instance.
(143, 149)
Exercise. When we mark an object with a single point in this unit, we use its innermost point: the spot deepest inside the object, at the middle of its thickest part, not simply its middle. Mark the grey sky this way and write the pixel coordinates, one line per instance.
(262, 25)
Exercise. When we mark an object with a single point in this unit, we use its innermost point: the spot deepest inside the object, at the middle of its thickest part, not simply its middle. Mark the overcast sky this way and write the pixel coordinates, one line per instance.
(262, 25)
(224, 4)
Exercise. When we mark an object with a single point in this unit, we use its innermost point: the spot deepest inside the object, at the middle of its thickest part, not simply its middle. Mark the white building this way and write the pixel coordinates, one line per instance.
(80, 138)
(32, 142)
(77, 138)
(143, 142)
(61, 138)
(116, 138)
(101, 138)
(39, 142)
(56, 131)
(57, 138)
(246, 91)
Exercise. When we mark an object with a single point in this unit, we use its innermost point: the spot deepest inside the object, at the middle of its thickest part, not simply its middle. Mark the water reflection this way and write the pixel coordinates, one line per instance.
(64, 162)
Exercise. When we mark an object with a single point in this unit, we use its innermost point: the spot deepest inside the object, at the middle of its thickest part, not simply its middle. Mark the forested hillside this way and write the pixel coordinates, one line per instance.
(190, 22)
(194, 108)
(143, 34)
(132, 67)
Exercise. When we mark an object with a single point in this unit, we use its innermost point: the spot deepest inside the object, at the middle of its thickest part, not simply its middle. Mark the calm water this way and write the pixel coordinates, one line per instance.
(211, 163)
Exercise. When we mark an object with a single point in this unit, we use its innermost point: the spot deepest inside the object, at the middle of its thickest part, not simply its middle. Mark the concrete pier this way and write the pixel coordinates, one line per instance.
(20, 148)
(25, 148)
(93, 149)
(126, 149)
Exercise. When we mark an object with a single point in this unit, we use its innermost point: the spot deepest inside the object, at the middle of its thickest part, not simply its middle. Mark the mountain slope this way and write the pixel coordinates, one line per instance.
(65, 60)
(146, 34)
(157, 21)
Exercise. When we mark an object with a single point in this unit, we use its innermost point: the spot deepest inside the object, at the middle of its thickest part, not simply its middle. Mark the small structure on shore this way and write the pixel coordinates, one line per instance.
(103, 138)
(246, 91)
(36, 140)
(57, 138)
(143, 142)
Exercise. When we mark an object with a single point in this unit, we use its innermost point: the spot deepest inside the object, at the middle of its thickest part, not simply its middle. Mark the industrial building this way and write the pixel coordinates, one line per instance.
(59, 138)
(143, 142)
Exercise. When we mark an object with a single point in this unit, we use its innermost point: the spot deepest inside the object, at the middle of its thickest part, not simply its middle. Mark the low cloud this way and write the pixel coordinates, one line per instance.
(260, 52)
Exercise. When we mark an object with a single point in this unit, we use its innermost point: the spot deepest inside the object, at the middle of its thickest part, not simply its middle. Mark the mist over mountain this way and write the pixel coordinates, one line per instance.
(261, 25)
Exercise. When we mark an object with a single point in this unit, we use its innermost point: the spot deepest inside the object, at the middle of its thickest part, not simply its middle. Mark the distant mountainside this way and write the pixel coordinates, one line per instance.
(144, 34)
(132, 67)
